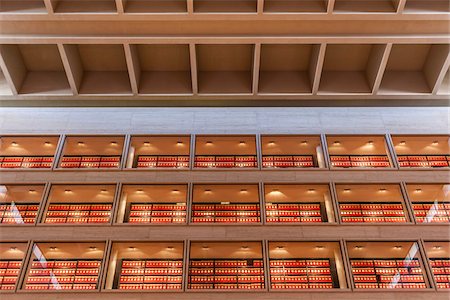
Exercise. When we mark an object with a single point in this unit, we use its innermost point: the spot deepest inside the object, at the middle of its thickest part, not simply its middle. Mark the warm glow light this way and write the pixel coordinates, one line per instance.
(398, 247)
(435, 143)
(132, 248)
(146, 144)
(103, 191)
(242, 143)
(280, 247)
(170, 248)
(93, 248)
(31, 191)
(67, 191)
(53, 248)
(207, 191)
(320, 247)
(139, 191)
(311, 190)
(47, 143)
(243, 191)
(304, 143)
(13, 249)
(418, 191)
(347, 190)
(175, 191)
(209, 143)
(382, 190)
(402, 143)
(370, 143)
(336, 143)
(359, 247)
(179, 143)
(80, 143)
(271, 143)
(205, 248)
(245, 248)
(14, 144)
(437, 248)
(113, 143)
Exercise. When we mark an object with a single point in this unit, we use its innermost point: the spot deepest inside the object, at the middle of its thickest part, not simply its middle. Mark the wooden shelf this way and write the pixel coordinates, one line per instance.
(413, 68)
(225, 6)
(84, 6)
(365, 6)
(444, 89)
(287, 68)
(99, 69)
(225, 69)
(427, 6)
(36, 69)
(350, 68)
(155, 6)
(295, 6)
(163, 69)
(22, 7)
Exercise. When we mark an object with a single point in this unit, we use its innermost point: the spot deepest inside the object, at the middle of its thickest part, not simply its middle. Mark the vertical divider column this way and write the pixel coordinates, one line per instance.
(120, 5)
(266, 264)
(49, 6)
(262, 202)
(316, 65)
(377, 65)
(258, 151)
(190, 6)
(326, 154)
(441, 74)
(408, 203)
(189, 202)
(25, 264)
(125, 150)
(335, 202)
(330, 6)
(187, 248)
(193, 63)
(347, 264)
(43, 204)
(426, 264)
(256, 64)
(73, 66)
(134, 69)
(192, 153)
(116, 201)
(58, 151)
(105, 265)
(260, 7)
(391, 151)
(400, 6)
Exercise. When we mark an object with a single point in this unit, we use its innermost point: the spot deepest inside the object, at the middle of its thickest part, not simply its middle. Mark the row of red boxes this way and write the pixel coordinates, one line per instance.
(152, 271)
(435, 206)
(152, 263)
(294, 219)
(344, 161)
(63, 272)
(78, 213)
(151, 206)
(56, 264)
(9, 273)
(218, 213)
(295, 263)
(299, 271)
(388, 278)
(433, 219)
(361, 158)
(150, 161)
(423, 161)
(385, 263)
(145, 286)
(296, 286)
(225, 279)
(90, 161)
(300, 279)
(371, 206)
(79, 207)
(150, 279)
(230, 158)
(12, 162)
(440, 262)
(61, 279)
(18, 213)
(390, 285)
(222, 286)
(58, 286)
(441, 272)
(166, 158)
(227, 271)
(293, 206)
(227, 263)
(226, 165)
(143, 220)
(77, 220)
(212, 207)
(293, 213)
(287, 161)
(225, 161)
(157, 213)
(226, 220)
(391, 271)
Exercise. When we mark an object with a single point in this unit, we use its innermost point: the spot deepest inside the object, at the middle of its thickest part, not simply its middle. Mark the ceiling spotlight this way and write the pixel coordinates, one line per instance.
(370, 143)
(275, 190)
(14, 144)
(80, 143)
(402, 143)
(132, 248)
(244, 247)
(179, 143)
(304, 142)
(170, 248)
(311, 190)
(418, 190)
(139, 191)
(398, 247)
(207, 191)
(320, 247)
(175, 191)
(280, 247)
(209, 143)
(359, 247)
(103, 191)
(93, 248)
(382, 190)
(52, 248)
(31, 191)
(67, 191)
(271, 143)
(243, 191)
(336, 143)
(205, 248)
(347, 190)
(437, 248)
(435, 143)
(242, 143)
(13, 249)
(146, 144)
(47, 143)
(113, 143)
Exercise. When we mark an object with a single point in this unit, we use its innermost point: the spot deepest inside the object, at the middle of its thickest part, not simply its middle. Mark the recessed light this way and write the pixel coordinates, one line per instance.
(245, 247)
(370, 143)
(93, 248)
(113, 143)
(311, 190)
(80, 143)
(280, 247)
(139, 191)
(52, 248)
(336, 143)
(320, 247)
(205, 248)
(347, 190)
(67, 191)
(31, 191)
(359, 247)
(242, 143)
(47, 143)
(103, 191)
(146, 144)
(175, 191)
(402, 143)
(131, 248)
(275, 190)
(207, 191)
(179, 143)
(243, 191)
(271, 143)
(13, 248)
(418, 190)
(14, 144)
(382, 190)
(437, 248)
(209, 143)
(170, 248)
(304, 142)
(435, 143)
(398, 247)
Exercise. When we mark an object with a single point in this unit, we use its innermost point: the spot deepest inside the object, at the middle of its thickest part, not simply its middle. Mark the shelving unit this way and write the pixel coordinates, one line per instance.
(366, 6)
(375, 212)
(28, 162)
(11, 262)
(156, 161)
(35, 69)
(162, 69)
(98, 69)
(413, 68)
(155, 6)
(23, 213)
(19, 204)
(22, 7)
(427, 7)
(225, 68)
(225, 6)
(84, 6)
(294, 212)
(288, 68)
(295, 6)
(90, 162)
(139, 213)
(351, 68)
(439, 259)
(430, 202)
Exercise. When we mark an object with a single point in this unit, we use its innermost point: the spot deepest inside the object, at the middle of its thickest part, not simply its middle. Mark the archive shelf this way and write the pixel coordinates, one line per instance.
(79, 204)
(422, 151)
(84, 6)
(146, 266)
(371, 203)
(226, 265)
(98, 69)
(225, 69)
(430, 202)
(19, 204)
(386, 265)
(162, 69)
(11, 262)
(221, 6)
(160, 152)
(228, 204)
(27, 152)
(22, 7)
(89, 152)
(351, 68)
(35, 69)
(287, 68)
(439, 258)
(64, 266)
(153, 204)
(358, 152)
(306, 265)
(413, 68)
(292, 152)
(225, 152)
(427, 6)
(155, 6)
(295, 6)
(296, 203)
(366, 6)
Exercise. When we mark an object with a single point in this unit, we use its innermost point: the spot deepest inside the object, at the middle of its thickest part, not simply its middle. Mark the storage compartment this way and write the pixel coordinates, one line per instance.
(430, 202)
(226, 266)
(413, 68)
(225, 152)
(79, 204)
(295, 6)
(162, 69)
(22, 7)
(371, 203)
(155, 6)
(287, 68)
(298, 203)
(386, 265)
(153, 204)
(226, 204)
(350, 68)
(35, 69)
(84, 6)
(11, 261)
(160, 152)
(422, 151)
(19, 204)
(366, 6)
(439, 258)
(99, 69)
(358, 152)
(279, 151)
(427, 7)
(27, 152)
(92, 152)
(150, 266)
(306, 265)
(225, 6)
(65, 266)
(225, 69)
